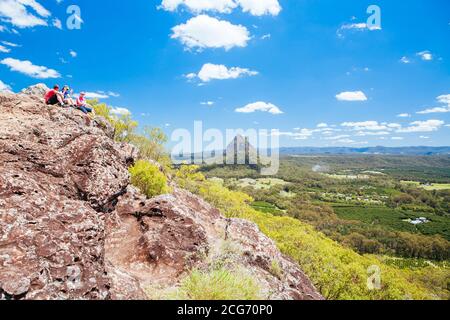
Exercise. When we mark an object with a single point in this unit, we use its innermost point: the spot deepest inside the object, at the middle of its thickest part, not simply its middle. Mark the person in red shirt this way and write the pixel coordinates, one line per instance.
(54, 97)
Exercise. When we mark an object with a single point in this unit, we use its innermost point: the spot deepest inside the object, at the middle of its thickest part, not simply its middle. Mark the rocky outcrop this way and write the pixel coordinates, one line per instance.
(36, 91)
(175, 233)
(71, 226)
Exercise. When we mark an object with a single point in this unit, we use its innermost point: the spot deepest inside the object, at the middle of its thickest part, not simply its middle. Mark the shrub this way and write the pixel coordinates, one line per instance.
(189, 178)
(219, 284)
(275, 269)
(124, 126)
(148, 178)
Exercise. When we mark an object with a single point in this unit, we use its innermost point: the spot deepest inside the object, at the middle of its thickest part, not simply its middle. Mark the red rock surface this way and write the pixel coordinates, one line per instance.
(71, 226)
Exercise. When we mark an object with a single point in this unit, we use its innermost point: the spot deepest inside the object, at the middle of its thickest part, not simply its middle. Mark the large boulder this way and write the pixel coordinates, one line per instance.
(171, 234)
(37, 90)
(71, 226)
(59, 176)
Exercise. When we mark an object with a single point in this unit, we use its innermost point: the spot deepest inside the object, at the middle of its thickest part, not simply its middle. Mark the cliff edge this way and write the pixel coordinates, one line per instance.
(72, 226)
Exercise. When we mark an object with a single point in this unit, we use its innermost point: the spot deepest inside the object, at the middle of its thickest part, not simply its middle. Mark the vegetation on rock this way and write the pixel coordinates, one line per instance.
(150, 141)
(148, 178)
(219, 284)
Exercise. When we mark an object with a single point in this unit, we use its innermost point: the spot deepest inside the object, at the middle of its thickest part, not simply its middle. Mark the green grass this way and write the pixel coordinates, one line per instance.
(431, 187)
(409, 263)
(393, 219)
(266, 208)
(438, 186)
(221, 284)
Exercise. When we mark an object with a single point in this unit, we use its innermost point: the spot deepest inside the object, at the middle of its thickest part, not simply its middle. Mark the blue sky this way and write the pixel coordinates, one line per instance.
(313, 69)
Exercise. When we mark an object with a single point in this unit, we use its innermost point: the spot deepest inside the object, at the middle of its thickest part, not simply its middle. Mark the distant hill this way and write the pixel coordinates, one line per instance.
(242, 149)
(410, 151)
(239, 151)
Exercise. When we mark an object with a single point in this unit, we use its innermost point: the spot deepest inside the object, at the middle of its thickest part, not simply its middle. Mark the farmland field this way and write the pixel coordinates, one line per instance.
(370, 203)
(396, 219)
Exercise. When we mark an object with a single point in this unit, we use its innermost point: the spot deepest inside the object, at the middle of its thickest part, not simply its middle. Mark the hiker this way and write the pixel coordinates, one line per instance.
(67, 99)
(54, 97)
(82, 104)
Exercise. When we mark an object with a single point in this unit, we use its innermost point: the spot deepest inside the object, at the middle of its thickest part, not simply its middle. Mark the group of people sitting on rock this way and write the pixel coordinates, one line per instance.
(63, 98)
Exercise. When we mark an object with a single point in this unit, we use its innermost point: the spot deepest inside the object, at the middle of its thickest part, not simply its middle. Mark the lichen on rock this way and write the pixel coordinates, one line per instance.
(72, 227)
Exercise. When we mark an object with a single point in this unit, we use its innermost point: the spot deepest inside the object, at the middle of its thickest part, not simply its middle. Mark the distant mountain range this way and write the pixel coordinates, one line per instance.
(241, 148)
(410, 151)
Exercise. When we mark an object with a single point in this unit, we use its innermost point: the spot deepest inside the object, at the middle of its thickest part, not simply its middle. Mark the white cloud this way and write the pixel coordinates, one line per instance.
(211, 71)
(405, 60)
(266, 36)
(425, 55)
(445, 99)
(99, 94)
(367, 126)
(397, 138)
(351, 96)
(73, 54)
(191, 76)
(392, 125)
(358, 26)
(424, 137)
(207, 103)
(10, 44)
(404, 115)
(113, 94)
(57, 23)
(198, 6)
(328, 131)
(372, 133)
(206, 32)
(260, 7)
(254, 7)
(96, 95)
(423, 126)
(362, 26)
(322, 125)
(17, 13)
(435, 110)
(4, 87)
(346, 141)
(340, 137)
(260, 106)
(4, 49)
(299, 134)
(120, 111)
(28, 68)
